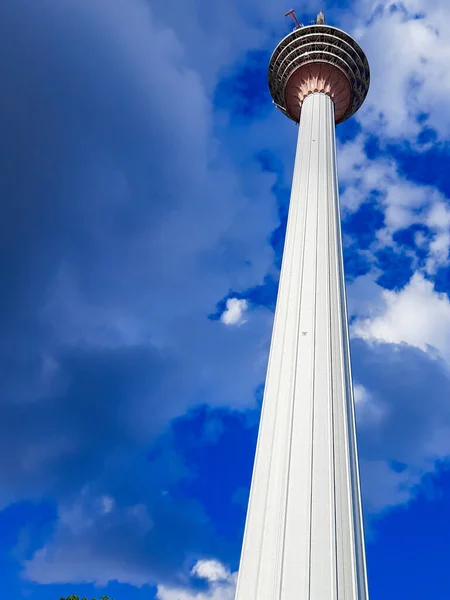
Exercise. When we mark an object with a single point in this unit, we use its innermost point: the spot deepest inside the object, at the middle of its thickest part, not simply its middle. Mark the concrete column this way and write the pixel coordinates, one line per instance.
(304, 536)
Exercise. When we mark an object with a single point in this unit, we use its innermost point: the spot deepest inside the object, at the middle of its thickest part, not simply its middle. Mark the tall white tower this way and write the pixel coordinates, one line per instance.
(304, 534)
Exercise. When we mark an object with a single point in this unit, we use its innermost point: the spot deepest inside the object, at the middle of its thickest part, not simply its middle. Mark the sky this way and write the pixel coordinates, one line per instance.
(144, 188)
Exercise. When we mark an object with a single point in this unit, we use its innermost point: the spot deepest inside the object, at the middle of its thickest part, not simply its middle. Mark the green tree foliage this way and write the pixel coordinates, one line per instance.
(73, 597)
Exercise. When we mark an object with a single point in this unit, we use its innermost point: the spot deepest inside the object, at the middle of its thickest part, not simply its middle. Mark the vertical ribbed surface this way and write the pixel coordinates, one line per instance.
(303, 536)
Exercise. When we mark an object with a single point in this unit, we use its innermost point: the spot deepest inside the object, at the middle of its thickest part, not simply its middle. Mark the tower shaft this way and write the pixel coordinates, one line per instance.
(304, 536)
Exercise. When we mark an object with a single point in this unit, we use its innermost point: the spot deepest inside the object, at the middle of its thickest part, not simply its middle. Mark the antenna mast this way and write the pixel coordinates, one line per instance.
(292, 14)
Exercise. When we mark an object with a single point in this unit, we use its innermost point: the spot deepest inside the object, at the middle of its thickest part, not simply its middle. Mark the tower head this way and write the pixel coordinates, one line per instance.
(318, 58)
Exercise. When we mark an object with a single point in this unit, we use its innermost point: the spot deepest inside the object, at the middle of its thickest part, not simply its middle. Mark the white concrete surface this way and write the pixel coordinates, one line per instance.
(303, 536)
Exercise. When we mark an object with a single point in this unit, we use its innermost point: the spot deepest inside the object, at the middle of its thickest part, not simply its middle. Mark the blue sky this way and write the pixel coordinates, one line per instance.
(144, 186)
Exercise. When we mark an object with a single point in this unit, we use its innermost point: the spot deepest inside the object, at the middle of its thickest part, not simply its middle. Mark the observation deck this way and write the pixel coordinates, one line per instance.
(318, 58)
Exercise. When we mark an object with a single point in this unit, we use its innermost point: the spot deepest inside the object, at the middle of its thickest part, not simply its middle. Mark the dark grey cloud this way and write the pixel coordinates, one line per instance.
(140, 534)
(103, 405)
(115, 229)
(404, 424)
(121, 225)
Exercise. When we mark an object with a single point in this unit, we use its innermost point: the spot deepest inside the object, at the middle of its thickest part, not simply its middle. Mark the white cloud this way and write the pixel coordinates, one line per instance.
(409, 59)
(234, 312)
(404, 424)
(368, 411)
(361, 176)
(385, 487)
(222, 584)
(402, 395)
(439, 216)
(364, 296)
(211, 570)
(403, 201)
(438, 252)
(79, 524)
(417, 315)
(438, 220)
(87, 544)
(360, 394)
(404, 418)
(107, 504)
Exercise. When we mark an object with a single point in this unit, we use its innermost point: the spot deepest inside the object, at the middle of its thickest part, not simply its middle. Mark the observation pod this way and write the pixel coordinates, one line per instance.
(318, 58)
(304, 536)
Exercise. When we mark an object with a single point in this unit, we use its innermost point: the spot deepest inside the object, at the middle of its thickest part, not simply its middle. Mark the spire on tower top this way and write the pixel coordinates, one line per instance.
(291, 13)
(320, 18)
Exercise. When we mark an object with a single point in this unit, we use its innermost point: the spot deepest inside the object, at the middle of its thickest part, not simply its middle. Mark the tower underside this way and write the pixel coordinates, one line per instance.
(304, 537)
(327, 49)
